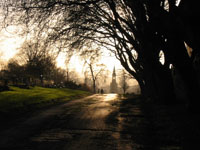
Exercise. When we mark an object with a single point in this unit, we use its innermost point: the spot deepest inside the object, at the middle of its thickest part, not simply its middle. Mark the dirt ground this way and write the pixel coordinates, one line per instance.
(103, 122)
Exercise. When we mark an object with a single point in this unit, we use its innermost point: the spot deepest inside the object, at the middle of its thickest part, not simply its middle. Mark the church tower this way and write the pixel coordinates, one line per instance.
(113, 84)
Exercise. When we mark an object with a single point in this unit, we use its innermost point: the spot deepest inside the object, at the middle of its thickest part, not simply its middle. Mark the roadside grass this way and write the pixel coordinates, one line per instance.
(19, 100)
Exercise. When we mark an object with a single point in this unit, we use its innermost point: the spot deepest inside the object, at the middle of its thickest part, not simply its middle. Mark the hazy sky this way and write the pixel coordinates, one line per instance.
(10, 42)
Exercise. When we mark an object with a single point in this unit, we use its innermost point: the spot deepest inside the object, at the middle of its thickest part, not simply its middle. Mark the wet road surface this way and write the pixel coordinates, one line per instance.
(97, 122)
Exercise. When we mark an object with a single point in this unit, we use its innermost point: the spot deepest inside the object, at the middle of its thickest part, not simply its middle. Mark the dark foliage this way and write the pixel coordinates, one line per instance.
(135, 31)
(72, 85)
(4, 88)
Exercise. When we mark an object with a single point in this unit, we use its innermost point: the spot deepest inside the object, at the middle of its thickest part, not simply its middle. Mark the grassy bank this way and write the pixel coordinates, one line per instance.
(19, 100)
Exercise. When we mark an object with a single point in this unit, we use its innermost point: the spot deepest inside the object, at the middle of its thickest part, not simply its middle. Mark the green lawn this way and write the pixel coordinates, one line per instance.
(21, 100)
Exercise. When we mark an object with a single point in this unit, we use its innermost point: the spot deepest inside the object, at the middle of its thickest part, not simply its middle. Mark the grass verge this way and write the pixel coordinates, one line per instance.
(19, 100)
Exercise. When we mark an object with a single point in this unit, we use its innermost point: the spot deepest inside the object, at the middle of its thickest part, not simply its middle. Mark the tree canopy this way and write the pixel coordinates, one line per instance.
(135, 31)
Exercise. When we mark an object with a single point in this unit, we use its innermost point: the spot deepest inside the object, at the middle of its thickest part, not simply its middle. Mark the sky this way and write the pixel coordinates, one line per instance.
(9, 43)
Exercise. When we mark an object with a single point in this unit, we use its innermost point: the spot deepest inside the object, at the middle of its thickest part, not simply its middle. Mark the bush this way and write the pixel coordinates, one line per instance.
(22, 86)
(72, 85)
(4, 88)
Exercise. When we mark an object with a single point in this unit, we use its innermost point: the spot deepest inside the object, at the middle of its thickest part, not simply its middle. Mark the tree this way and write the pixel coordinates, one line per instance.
(136, 31)
(95, 69)
(38, 61)
(16, 72)
(123, 81)
(59, 77)
(2, 64)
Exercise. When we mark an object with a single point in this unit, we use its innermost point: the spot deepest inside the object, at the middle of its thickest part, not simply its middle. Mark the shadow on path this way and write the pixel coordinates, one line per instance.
(104, 122)
(149, 126)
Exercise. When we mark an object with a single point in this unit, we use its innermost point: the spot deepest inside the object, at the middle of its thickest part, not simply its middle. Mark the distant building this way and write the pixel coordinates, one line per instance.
(113, 84)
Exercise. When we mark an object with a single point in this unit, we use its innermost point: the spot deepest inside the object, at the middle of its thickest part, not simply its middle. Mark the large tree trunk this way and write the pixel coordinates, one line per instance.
(183, 63)
(160, 84)
(142, 86)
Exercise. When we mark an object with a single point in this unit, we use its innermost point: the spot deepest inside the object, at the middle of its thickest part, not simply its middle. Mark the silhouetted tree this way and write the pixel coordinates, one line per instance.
(123, 81)
(15, 72)
(95, 69)
(136, 31)
(38, 61)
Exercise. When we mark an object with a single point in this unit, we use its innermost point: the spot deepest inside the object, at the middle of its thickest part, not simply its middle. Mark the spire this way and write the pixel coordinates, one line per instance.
(113, 84)
(114, 73)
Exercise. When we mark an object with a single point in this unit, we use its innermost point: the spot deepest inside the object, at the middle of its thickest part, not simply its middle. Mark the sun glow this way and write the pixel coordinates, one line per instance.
(8, 47)
(110, 97)
(74, 64)
(111, 62)
(9, 44)
(61, 61)
(77, 64)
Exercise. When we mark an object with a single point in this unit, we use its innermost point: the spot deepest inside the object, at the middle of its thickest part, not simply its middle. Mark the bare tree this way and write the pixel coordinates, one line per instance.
(135, 31)
(2, 63)
(14, 73)
(124, 76)
(120, 26)
(91, 58)
(38, 61)
(98, 21)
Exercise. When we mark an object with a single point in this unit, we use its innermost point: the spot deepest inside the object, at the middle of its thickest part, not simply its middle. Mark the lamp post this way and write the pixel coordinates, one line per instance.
(41, 79)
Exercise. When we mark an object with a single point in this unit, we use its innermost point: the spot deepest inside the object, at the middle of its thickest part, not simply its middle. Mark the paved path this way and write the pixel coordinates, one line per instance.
(97, 122)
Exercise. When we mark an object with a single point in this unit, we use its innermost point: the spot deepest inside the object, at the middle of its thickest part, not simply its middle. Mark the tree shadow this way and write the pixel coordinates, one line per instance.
(152, 126)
